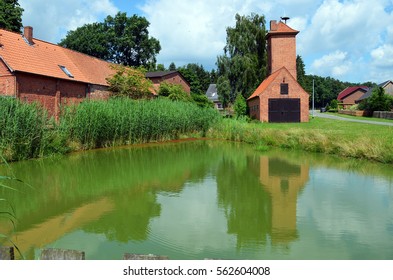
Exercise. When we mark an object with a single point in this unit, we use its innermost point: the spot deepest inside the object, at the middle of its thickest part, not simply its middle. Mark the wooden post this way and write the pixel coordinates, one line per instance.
(7, 253)
(59, 254)
(143, 257)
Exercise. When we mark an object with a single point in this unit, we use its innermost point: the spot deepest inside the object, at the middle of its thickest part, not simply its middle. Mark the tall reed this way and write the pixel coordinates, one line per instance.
(21, 129)
(95, 124)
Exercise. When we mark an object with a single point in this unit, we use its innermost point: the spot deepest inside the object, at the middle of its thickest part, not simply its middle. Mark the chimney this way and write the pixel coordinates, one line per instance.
(273, 25)
(28, 33)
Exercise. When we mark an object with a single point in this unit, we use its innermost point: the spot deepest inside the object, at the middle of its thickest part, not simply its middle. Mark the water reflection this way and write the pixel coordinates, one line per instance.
(260, 198)
(203, 199)
(284, 181)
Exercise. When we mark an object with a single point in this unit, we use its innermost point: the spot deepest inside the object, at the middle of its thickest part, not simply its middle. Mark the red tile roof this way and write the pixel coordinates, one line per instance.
(43, 58)
(280, 28)
(263, 86)
(349, 90)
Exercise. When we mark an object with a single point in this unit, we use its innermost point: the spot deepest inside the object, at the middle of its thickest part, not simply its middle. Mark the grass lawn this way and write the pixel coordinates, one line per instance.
(361, 118)
(347, 139)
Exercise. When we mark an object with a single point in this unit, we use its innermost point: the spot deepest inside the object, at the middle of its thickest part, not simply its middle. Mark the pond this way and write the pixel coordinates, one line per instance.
(202, 199)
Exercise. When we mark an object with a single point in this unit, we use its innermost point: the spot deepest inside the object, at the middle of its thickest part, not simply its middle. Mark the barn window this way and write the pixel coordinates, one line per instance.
(284, 88)
(66, 71)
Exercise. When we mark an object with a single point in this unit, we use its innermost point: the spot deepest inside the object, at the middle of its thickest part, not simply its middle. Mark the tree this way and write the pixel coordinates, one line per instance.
(202, 100)
(11, 15)
(244, 61)
(197, 76)
(378, 101)
(129, 82)
(120, 39)
(224, 90)
(172, 67)
(300, 70)
(160, 67)
(240, 106)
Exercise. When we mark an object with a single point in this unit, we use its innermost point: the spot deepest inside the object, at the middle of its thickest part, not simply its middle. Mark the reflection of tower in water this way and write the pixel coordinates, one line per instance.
(283, 181)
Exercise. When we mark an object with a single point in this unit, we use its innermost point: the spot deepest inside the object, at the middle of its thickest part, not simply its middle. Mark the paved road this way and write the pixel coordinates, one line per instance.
(328, 116)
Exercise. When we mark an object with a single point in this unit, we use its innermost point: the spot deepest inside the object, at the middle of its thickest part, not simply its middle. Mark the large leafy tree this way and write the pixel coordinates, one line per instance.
(197, 76)
(244, 60)
(120, 39)
(10, 15)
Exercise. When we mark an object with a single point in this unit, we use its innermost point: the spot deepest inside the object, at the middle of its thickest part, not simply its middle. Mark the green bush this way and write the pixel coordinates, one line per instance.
(378, 101)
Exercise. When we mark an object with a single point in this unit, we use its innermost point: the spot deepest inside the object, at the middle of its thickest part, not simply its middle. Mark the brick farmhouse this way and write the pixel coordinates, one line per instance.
(33, 70)
(171, 77)
(280, 98)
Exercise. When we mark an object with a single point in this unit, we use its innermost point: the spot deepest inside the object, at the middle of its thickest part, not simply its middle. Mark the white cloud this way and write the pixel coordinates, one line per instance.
(383, 56)
(195, 31)
(333, 64)
(51, 20)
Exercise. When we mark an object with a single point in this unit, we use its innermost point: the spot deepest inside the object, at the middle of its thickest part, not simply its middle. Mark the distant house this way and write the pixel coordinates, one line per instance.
(280, 98)
(387, 86)
(212, 95)
(171, 77)
(35, 70)
(350, 95)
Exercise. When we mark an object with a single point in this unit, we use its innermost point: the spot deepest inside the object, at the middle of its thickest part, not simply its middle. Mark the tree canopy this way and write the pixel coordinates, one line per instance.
(244, 62)
(120, 39)
(197, 76)
(10, 15)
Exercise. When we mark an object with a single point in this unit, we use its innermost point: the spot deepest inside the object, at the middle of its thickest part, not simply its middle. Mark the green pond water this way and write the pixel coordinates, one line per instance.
(202, 199)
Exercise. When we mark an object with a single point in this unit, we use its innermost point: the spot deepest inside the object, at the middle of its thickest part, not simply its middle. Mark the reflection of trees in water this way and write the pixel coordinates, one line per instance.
(246, 204)
(130, 218)
(130, 177)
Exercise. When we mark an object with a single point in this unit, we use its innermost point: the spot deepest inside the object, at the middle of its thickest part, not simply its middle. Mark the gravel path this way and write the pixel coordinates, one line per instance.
(327, 116)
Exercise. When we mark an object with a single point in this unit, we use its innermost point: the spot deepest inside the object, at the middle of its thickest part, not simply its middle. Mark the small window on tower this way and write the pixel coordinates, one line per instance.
(66, 71)
(284, 88)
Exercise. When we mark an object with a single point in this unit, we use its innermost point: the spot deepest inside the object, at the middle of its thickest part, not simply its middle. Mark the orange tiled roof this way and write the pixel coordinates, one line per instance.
(280, 28)
(43, 58)
(263, 86)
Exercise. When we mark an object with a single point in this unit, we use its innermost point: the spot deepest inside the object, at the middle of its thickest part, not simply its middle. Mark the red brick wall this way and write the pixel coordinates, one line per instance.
(282, 53)
(254, 107)
(7, 81)
(51, 93)
(350, 99)
(99, 92)
(273, 91)
(173, 78)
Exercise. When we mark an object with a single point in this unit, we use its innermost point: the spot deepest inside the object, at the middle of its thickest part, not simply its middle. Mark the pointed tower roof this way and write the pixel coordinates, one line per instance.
(280, 28)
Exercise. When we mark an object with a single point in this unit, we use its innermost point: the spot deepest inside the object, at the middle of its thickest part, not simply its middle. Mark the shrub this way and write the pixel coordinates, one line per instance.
(378, 101)
(240, 106)
(174, 92)
(129, 82)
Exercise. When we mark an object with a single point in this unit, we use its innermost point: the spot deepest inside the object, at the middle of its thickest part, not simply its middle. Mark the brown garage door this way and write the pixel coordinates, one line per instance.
(284, 110)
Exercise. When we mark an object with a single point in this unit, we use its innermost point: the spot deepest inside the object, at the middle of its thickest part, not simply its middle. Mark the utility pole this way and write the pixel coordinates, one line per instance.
(313, 108)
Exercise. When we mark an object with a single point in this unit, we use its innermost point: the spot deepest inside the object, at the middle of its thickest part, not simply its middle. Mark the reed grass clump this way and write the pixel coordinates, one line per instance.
(22, 127)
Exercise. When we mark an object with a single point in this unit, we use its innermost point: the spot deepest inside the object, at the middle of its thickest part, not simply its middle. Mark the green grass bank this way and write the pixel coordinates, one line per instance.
(341, 138)
(26, 132)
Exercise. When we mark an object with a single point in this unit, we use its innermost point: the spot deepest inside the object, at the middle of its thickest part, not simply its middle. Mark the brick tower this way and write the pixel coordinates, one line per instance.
(281, 48)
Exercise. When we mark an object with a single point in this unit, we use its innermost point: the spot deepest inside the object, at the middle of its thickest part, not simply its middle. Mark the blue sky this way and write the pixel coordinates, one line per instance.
(350, 40)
